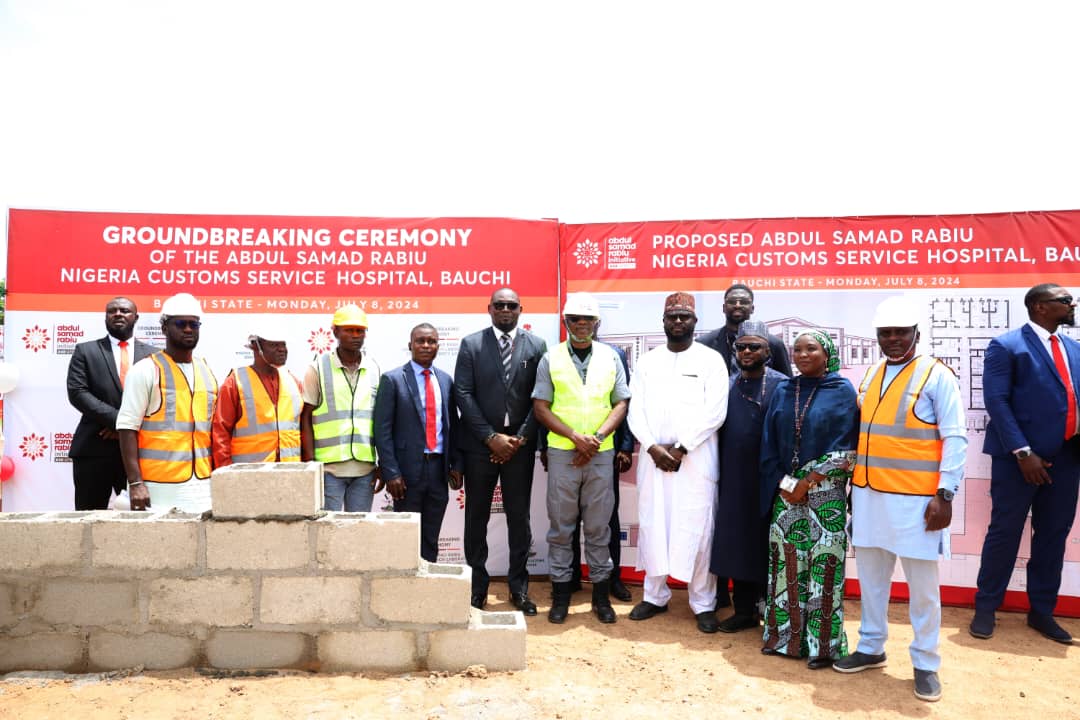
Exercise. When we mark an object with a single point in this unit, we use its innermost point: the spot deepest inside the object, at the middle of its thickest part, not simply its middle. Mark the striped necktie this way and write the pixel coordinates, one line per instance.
(505, 350)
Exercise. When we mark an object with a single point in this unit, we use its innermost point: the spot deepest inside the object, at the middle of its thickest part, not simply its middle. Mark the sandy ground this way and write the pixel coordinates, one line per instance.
(654, 669)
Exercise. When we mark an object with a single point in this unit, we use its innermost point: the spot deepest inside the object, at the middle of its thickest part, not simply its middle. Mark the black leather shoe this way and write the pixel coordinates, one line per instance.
(522, 602)
(560, 602)
(982, 625)
(1049, 627)
(737, 622)
(645, 610)
(601, 603)
(619, 591)
(478, 600)
(819, 663)
(706, 621)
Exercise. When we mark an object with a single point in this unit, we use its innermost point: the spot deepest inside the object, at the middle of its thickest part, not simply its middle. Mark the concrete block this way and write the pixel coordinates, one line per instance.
(145, 541)
(254, 490)
(218, 601)
(42, 651)
(87, 602)
(256, 545)
(155, 651)
(495, 640)
(295, 600)
(437, 594)
(384, 541)
(232, 649)
(384, 650)
(8, 615)
(33, 541)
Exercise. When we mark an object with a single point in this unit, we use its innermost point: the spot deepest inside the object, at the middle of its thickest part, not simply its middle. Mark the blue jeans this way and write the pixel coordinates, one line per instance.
(355, 493)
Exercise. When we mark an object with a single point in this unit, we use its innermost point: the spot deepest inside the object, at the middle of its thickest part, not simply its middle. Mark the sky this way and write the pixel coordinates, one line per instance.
(581, 111)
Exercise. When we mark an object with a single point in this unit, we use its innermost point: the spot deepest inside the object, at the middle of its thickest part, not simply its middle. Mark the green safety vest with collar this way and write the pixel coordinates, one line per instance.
(342, 424)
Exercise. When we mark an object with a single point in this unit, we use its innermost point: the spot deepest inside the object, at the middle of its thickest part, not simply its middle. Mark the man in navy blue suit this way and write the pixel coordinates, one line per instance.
(415, 437)
(1030, 376)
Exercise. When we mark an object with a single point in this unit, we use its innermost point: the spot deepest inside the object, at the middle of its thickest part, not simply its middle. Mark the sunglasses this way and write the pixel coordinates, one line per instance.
(679, 317)
(752, 347)
(186, 324)
(505, 305)
(579, 318)
(1064, 300)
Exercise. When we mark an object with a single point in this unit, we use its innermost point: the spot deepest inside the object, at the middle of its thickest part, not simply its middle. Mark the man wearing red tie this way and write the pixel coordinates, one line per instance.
(416, 437)
(95, 382)
(1030, 376)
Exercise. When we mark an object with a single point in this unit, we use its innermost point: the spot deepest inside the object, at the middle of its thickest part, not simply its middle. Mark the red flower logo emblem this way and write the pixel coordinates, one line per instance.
(320, 340)
(36, 338)
(33, 446)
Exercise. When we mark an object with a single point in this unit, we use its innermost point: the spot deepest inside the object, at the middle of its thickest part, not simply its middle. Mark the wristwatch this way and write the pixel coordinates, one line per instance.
(946, 495)
(679, 446)
(600, 436)
(1022, 453)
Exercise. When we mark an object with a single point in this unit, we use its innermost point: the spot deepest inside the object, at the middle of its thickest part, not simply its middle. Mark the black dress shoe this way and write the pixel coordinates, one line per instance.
(737, 622)
(1049, 627)
(619, 591)
(819, 663)
(478, 600)
(645, 610)
(522, 602)
(982, 625)
(706, 621)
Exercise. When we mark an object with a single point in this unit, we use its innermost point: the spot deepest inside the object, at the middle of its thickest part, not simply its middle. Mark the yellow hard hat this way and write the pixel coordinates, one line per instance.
(350, 316)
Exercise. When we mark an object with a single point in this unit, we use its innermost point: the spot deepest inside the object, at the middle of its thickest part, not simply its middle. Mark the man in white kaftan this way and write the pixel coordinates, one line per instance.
(683, 389)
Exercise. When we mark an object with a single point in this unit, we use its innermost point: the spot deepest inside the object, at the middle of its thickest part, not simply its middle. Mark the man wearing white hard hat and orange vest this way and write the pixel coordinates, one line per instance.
(912, 448)
(580, 396)
(257, 418)
(164, 417)
(337, 420)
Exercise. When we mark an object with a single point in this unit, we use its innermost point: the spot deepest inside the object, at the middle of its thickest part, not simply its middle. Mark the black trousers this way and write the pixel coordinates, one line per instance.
(516, 476)
(95, 480)
(428, 496)
(614, 544)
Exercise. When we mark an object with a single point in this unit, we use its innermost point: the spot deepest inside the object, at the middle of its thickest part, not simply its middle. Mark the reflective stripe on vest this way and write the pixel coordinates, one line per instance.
(265, 431)
(582, 405)
(174, 440)
(898, 452)
(342, 424)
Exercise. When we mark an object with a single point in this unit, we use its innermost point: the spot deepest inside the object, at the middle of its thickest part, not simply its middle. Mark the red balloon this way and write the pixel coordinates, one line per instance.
(7, 468)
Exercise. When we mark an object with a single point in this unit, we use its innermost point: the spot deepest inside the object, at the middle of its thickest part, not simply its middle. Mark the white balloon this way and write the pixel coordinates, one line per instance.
(9, 377)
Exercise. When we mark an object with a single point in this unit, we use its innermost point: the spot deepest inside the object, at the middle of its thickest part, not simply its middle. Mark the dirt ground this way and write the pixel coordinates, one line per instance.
(658, 668)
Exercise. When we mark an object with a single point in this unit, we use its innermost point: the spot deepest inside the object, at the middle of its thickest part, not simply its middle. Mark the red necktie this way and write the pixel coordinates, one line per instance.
(429, 411)
(1070, 393)
(124, 362)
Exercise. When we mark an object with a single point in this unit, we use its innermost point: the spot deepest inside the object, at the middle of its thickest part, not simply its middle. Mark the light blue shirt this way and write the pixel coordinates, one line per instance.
(418, 371)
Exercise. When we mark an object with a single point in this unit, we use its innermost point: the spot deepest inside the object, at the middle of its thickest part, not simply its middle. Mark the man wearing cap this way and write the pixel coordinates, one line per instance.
(580, 397)
(95, 383)
(912, 448)
(416, 428)
(257, 418)
(493, 380)
(165, 414)
(336, 422)
(1030, 381)
(680, 393)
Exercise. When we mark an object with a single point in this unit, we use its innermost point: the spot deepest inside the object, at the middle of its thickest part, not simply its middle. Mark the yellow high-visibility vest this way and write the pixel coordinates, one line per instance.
(174, 440)
(342, 424)
(582, 405)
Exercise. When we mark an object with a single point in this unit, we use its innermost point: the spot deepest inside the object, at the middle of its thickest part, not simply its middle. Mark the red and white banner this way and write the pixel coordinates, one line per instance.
(969, 273)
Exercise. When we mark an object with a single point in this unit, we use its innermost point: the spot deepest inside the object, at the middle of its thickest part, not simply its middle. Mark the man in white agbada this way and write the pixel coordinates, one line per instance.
(680, 400)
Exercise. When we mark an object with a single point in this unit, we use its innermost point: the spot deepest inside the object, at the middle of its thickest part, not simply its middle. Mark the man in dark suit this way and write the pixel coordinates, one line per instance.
(416, 437)
(94, 387)
(493, 381)
(1030, 380)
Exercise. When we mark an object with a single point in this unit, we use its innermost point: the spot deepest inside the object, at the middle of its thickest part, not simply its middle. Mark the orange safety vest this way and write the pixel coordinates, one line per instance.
(174, 440)
(898, 452)
(266, 432)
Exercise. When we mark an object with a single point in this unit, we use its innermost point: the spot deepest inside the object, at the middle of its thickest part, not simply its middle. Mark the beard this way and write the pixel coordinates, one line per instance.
(751, 366)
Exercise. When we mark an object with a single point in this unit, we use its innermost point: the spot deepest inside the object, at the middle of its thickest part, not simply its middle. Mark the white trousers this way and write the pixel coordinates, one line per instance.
(701, 589)
(875, 567)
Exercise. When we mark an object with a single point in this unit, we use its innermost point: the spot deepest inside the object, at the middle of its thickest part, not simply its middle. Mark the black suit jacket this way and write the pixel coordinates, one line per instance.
(93, 386)
(485, 396)
(778, 354)
(399, 425)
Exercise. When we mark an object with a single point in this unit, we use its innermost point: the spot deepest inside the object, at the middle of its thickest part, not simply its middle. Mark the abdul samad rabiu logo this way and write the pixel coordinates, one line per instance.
(321, 340)
(33, 446)
(36, 338)
(587, 253)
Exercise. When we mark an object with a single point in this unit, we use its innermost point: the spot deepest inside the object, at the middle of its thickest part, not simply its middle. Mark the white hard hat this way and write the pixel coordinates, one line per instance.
(270, 332)
(181, 304)
(581, 303)
(896, 311)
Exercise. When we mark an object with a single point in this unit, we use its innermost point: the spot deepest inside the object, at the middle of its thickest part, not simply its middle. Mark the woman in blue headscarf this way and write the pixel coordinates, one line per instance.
(807, 455)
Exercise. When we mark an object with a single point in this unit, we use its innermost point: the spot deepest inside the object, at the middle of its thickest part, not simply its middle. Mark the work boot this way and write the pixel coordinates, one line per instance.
(601, 602)
(560, 602)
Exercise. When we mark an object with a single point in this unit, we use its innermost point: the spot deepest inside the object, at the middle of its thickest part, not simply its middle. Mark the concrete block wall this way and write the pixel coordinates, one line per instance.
(92, 591)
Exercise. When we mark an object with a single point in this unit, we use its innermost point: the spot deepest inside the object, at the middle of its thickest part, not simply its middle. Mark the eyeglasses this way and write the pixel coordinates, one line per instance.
(745, 302)
(752, 347)
(679, 317)
(578, 318)
(1064, 300)
(505, 305)
(186, 324)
